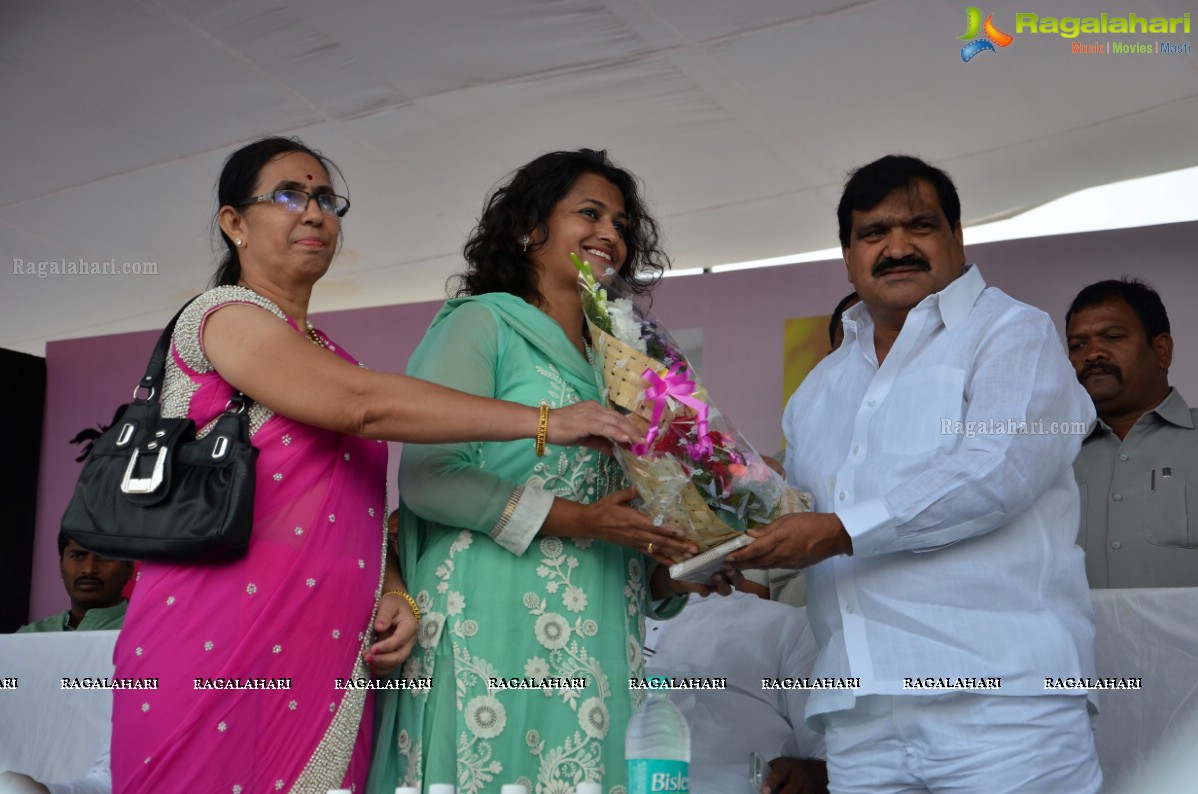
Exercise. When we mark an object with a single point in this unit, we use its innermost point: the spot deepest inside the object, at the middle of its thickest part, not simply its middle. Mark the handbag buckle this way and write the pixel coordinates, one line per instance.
(145, 484)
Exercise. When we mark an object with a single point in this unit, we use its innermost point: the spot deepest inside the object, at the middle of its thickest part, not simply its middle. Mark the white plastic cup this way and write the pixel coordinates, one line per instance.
(440, 788)
(514, 788)
(589, 788)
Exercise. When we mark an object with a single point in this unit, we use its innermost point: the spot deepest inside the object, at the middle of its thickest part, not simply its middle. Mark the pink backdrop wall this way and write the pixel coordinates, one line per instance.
(741, 314)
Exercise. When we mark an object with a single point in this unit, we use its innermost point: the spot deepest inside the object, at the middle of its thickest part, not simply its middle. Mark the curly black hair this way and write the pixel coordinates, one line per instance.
(496, 261)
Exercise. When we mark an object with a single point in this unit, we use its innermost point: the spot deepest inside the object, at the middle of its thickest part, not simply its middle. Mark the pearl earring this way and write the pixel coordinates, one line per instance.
(524, 242)
(238, 242)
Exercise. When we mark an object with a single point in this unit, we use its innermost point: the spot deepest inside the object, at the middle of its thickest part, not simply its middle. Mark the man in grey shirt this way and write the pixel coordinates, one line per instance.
(1138, 528)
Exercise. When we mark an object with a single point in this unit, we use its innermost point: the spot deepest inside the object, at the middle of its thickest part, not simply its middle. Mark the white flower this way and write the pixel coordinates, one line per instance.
(532, 738)
(531, 600)
(624, 323)
(462, 542)
(551, 547)
(589, 628)
(293, 705)
(455, 603)
(222, 727)
(552, 586)
(536, 667)
(575, 599)
(469, 628)
(424, 601)
(593, 718)
(208, 645)
(485, 716)
(552, 631)
(634, 569)
(430, 629)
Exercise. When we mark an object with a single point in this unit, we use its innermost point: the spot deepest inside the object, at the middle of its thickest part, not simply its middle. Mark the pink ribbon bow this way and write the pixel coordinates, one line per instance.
(679, 386)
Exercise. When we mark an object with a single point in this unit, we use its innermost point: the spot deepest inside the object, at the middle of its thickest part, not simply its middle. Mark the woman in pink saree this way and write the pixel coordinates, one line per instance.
(259, 661)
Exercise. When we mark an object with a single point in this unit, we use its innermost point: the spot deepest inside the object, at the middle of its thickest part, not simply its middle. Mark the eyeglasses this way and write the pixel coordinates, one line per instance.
(294, 200)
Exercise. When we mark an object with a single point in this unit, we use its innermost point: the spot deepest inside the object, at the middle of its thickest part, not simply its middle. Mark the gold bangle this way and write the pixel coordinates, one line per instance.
(406, 597)
(542, 429)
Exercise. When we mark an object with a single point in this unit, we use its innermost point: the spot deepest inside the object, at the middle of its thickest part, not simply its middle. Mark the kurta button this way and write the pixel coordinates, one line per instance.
(1122, 456)
(842, 495)
(1117, 497)
(1116, 545)
(872, 403)
(849, 609)
(856, 448)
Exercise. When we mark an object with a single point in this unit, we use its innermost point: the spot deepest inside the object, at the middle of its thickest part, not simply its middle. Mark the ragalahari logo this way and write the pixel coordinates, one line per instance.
(978, 45)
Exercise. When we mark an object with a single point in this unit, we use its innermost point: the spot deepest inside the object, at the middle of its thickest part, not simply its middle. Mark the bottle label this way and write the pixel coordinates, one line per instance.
(655, 776)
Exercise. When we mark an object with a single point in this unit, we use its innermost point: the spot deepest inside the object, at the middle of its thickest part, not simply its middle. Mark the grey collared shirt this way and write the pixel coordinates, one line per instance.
(1139, 522)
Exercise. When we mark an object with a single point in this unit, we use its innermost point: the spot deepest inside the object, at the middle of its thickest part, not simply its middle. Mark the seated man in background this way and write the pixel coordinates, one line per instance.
(94, 584)
(1137, 527)
(745, 640)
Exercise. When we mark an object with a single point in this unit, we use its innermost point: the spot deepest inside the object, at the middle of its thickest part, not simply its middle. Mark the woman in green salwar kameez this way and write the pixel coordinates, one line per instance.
(534, 573)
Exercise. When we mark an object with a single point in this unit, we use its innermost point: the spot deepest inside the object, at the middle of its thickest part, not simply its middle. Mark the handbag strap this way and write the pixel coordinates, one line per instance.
(156, 369)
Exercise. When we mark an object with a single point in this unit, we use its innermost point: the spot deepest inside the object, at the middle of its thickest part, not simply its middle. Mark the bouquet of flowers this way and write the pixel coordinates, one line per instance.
(693, 470)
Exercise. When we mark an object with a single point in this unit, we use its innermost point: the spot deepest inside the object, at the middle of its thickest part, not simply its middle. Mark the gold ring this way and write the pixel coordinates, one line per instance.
(649, 547)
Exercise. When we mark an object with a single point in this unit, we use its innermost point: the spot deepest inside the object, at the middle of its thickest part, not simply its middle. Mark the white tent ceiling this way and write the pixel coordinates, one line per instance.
(741, 118)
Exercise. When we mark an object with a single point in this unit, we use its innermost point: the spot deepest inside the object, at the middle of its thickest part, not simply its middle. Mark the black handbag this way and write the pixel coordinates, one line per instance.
(151, 491)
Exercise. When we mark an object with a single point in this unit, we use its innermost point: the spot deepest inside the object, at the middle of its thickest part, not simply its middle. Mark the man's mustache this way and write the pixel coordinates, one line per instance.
(1101, 366)
(886, 265)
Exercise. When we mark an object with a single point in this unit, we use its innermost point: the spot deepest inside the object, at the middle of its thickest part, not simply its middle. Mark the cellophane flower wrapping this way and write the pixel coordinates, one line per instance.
(691, 467)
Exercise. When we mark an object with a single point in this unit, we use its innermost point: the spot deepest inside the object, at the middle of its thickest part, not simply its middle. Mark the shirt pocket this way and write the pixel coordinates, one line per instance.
(924, 411)
(1172, 512)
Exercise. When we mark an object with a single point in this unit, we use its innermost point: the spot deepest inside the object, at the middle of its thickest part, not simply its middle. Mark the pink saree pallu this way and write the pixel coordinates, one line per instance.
(250, 657)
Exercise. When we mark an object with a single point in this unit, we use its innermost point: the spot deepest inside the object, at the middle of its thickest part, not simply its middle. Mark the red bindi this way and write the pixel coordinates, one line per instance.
(309, 177)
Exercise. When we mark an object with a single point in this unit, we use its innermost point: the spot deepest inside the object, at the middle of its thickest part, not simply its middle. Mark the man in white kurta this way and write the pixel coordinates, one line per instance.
(944, 573)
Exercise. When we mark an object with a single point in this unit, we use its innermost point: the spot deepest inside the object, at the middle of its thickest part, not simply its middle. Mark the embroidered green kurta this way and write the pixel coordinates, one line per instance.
(529, 640)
